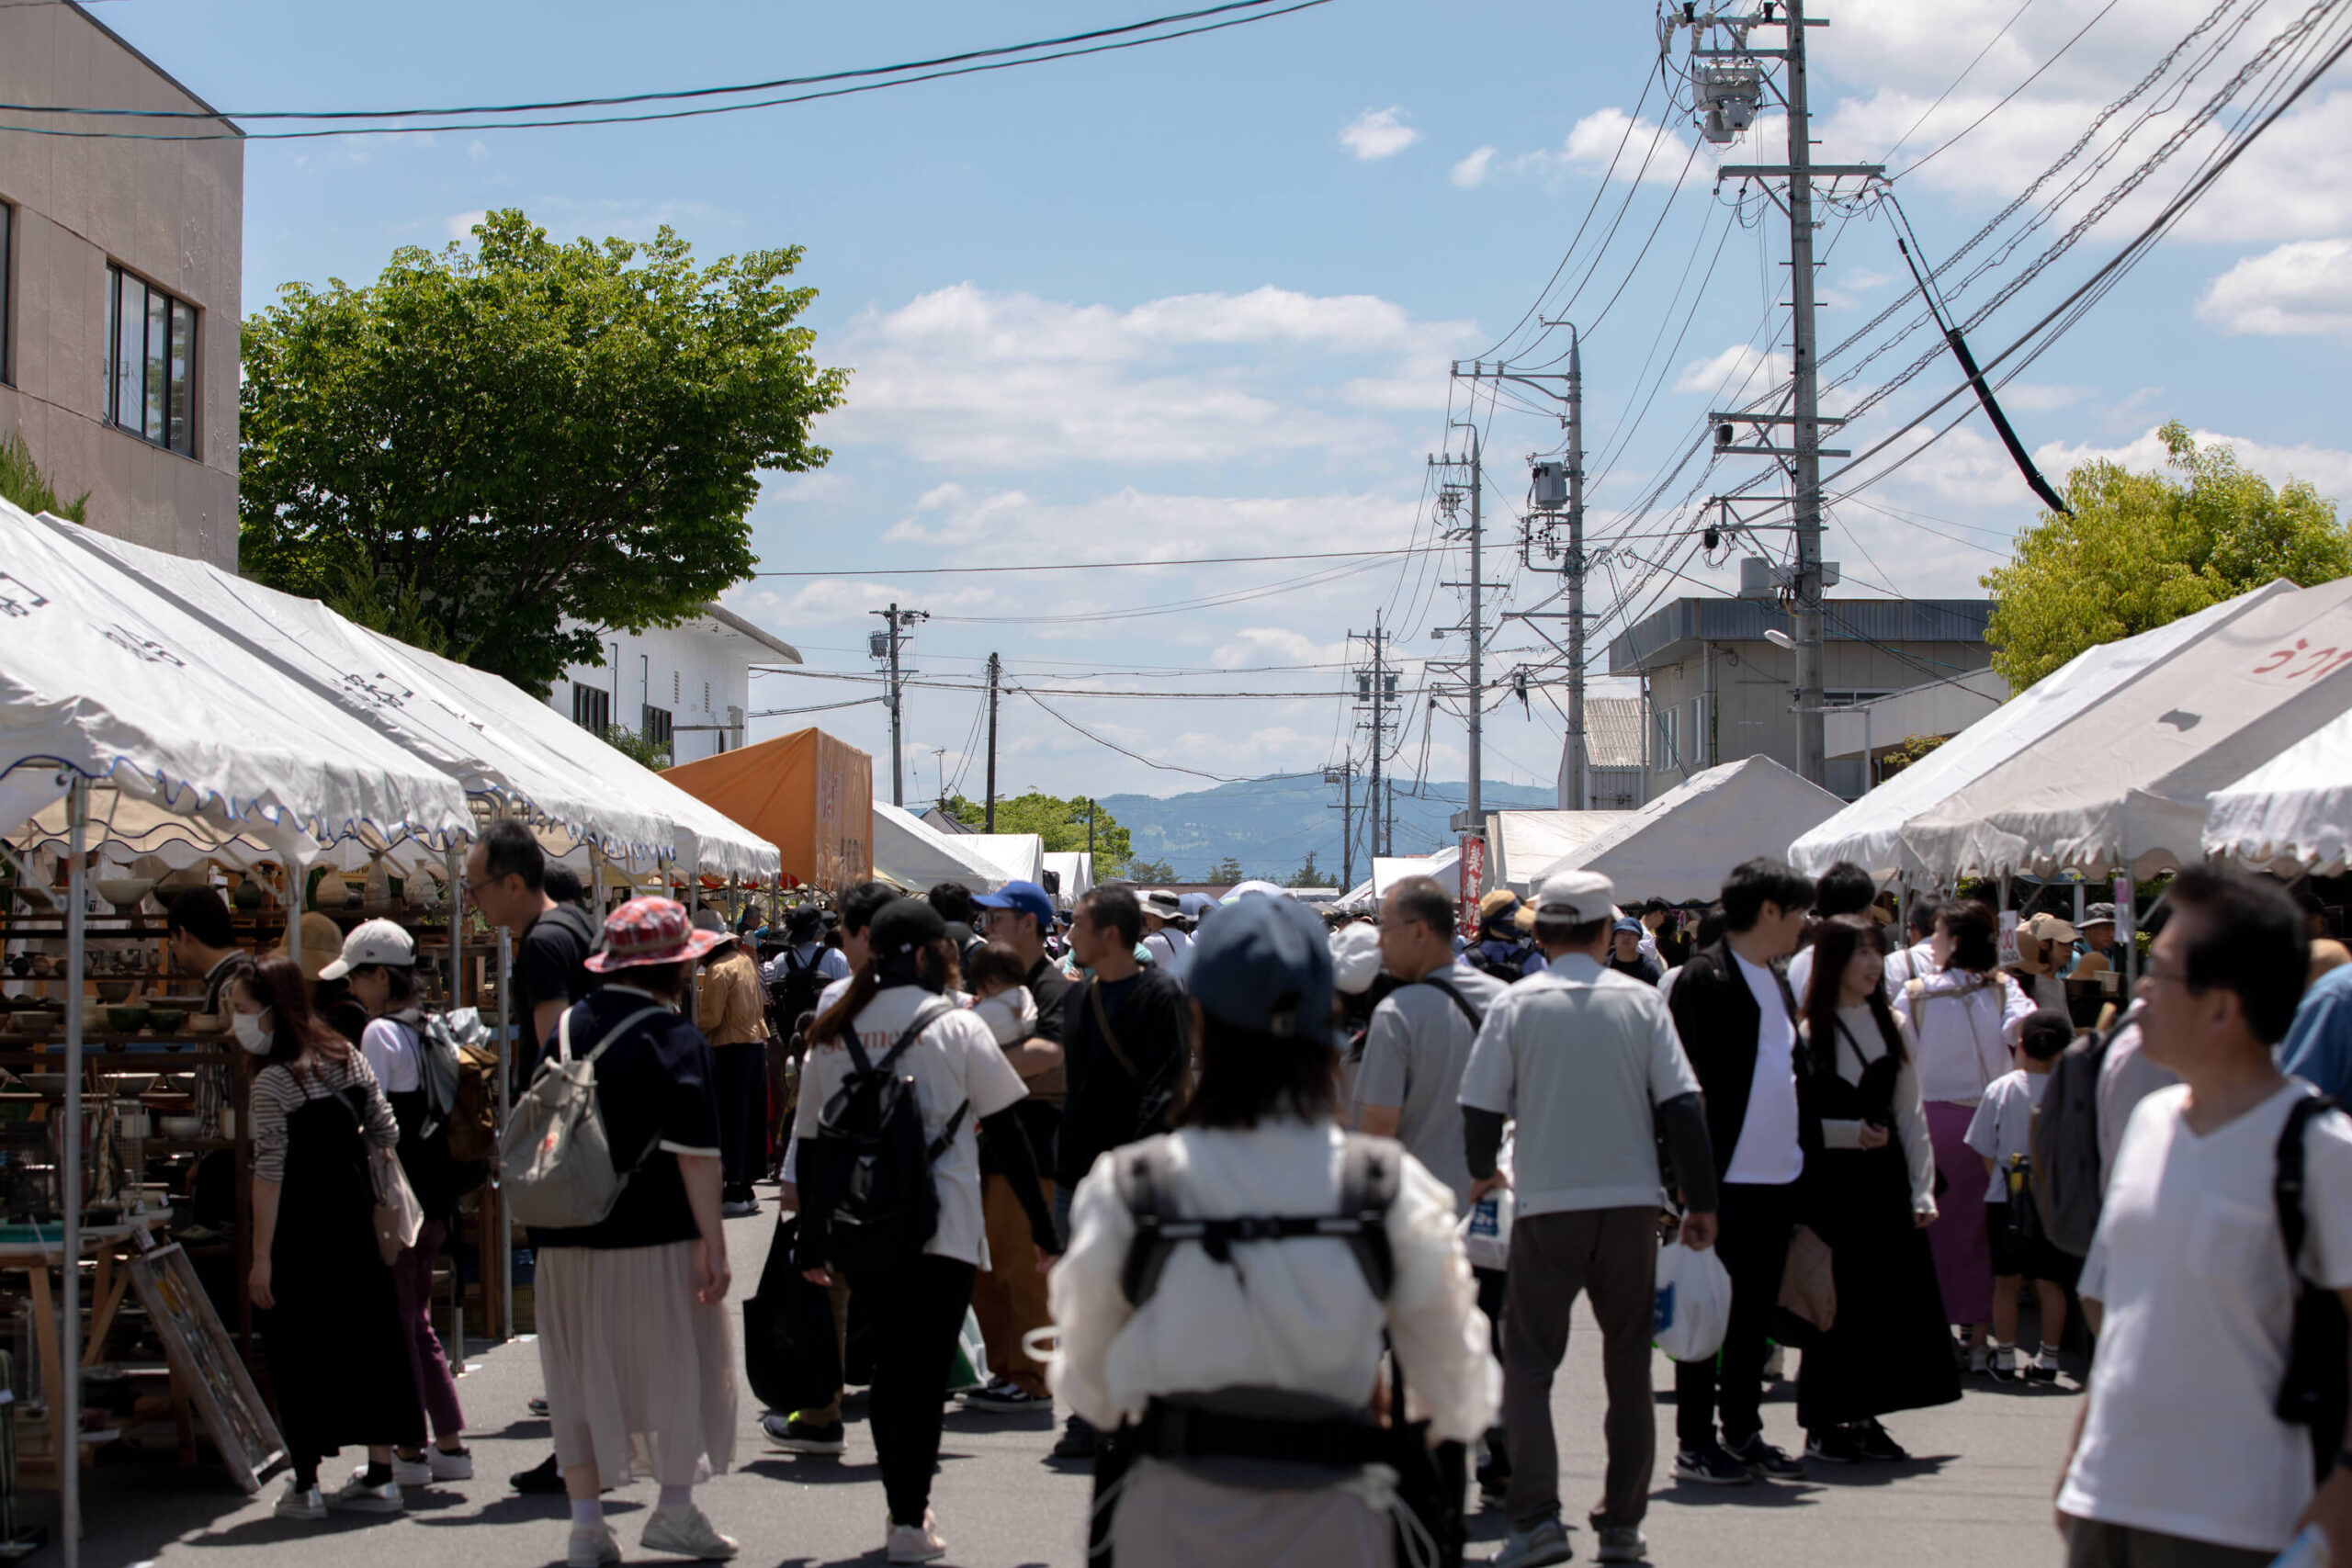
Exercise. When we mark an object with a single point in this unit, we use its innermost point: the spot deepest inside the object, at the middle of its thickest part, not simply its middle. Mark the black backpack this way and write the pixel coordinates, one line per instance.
(2314, 1393)
(1369, 1173)
(794, 993)
(2067, 1184)
(865, 1184)
(1509, 966)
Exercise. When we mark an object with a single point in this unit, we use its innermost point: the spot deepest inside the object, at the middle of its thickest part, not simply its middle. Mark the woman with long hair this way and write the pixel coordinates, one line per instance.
(329, 1314)
(1963, 1019)
(1871, 1195)
(964, 1087)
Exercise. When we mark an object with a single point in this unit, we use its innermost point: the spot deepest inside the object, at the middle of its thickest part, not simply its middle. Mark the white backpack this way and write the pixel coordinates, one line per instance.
(555, 1162)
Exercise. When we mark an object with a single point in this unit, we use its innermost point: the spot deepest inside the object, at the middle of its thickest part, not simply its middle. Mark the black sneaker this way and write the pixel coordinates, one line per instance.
(1079, 1440)
(541, 1480)
(1879, 1445)
(1762, 1459)
(1835, 1445)
(1007, 1398)
(788, 1436)
(1711, 1466)
(1494, 1477)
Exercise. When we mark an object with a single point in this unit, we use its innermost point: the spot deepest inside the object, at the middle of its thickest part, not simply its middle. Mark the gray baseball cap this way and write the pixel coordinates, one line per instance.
(1265, 965)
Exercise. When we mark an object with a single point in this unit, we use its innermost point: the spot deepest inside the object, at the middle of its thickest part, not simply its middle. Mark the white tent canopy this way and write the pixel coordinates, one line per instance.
(1872, 831)
(1022, 856)
(2297, 807)
(104, 678)
(1682, 844)
(1075, 868)
(2130, 781)
(1523, 843)
(912, 853)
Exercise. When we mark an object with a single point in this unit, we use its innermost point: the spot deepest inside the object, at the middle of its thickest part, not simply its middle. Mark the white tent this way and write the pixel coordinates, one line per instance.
(1075, 868)
(2130, 781)
(1021, 855)
(1682, 844)
(2297, 807)
(1521, 843)
(1870, 831)
(1389, 870)
(916, 855)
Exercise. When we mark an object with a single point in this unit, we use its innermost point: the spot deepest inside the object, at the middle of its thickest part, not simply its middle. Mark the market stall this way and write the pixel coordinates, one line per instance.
(1521, 843)
(808, 796)
(1021, 855)
(1073, 869)
(1681, 845)
(2295, 808)
(910, 853)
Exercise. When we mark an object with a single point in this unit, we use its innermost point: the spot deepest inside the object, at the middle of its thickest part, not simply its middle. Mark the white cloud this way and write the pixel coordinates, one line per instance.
(967, 377)
(1254, 645)
(1472, 170)
(957, 524)
(478, 149)
(1741, 370)
(2301, 288)
(841, 601)
(1378, 133)
(2327, 470)
(460, 225)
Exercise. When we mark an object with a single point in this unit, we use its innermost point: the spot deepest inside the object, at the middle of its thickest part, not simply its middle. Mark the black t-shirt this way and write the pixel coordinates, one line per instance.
(551, 965)
(1107, 1106)
(653, 1088)
(1051, 992)
(1639, 967)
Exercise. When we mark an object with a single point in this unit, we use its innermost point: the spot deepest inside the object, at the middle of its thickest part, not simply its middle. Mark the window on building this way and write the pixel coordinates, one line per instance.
(592, 708)
(1697, 741)
(1669, 754)
(8, 255)
(657, 728)
(150, 382)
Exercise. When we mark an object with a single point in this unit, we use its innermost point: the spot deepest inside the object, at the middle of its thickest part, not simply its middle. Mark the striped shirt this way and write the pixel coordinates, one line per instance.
(277, 1094)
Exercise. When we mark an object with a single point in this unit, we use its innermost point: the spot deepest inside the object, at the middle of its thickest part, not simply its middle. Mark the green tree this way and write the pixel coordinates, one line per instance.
(506, 449)
(1060, 823)
(1152, 872)
(22, 481)
(632, 744)
(1307, 874)
(1223, 872)
(2143, 549)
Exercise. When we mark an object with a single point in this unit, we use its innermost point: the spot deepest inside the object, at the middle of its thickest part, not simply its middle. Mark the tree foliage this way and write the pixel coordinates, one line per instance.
(2143, 549)
(1060, 823)
(506, 449)
(1898, 758)
(1308, 874)
(1224, 872)
(1153, 872)
(22, 481)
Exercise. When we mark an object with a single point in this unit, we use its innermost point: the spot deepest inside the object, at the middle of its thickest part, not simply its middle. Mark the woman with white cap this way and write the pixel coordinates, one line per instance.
(634, 1344)
(1223, 1304)
(379, 963)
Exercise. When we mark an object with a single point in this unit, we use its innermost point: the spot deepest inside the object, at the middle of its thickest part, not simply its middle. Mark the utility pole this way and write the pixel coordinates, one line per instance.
(1376, 688)
(1089, 829)
(1478, 826)
(886, 644)
(1344, 775)
(995, 668)
(938, 763)
(1579, 788)
(1727, 97)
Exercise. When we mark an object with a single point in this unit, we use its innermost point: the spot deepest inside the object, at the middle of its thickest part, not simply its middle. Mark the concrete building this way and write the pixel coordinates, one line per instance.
(685, 689)
(1614, 759)
(1715, 689)
(121, 265)
(1933, 710)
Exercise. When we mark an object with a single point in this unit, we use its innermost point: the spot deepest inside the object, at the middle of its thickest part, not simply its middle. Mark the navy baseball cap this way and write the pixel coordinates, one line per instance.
(1027, 898)
(1265, 965)
(1628, 924)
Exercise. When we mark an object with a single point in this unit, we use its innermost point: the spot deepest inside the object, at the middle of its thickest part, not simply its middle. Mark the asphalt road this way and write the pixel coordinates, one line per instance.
(1978, 1493)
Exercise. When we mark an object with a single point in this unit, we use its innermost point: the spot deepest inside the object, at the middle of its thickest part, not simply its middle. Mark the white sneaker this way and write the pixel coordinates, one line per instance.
(916, 1543)
(684, 1530)
(2004, 1366)
(592, 1548)
(359, 1497)
(451, 1464)
(299, 1502)
(411, 1471)
(1979, 1358)
(1776, 1365)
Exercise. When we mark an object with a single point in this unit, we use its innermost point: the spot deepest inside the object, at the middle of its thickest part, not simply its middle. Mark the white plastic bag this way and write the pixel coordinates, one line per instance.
(1485, 1230)
(1693, 1302)
(970, 1368)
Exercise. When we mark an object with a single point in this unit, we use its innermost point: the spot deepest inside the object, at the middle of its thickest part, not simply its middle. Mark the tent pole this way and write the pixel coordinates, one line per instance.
(456, 927)
(505, 1092)
(68, 1394)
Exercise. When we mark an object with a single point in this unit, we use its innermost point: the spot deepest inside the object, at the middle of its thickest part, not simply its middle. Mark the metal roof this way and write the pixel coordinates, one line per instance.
(1612, 732)
(1673, 633)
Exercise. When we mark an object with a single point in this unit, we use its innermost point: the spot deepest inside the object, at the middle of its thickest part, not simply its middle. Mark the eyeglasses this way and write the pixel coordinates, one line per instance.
(474, 889)
(2164, 972)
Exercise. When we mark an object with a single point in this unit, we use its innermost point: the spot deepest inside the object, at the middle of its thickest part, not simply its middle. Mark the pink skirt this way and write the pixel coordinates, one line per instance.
(640, 1377)
(1964, 1252)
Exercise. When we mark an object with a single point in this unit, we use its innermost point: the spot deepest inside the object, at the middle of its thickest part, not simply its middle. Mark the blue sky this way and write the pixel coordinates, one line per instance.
(1199, 299)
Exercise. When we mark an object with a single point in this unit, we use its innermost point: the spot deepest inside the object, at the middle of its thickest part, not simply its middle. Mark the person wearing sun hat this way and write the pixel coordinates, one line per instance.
(634, 1341)
(732, 1009)
(1239, 1349)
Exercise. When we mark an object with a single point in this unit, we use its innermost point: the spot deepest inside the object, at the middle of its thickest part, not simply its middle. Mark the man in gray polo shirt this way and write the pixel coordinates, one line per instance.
(1409, 1084)
(1586, 1062)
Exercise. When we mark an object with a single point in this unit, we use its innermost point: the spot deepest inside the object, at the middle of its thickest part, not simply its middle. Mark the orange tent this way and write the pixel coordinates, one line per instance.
(807, 794)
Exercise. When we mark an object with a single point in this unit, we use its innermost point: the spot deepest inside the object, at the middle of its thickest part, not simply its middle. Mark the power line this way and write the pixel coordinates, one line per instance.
(239, 135)
(1102, 564)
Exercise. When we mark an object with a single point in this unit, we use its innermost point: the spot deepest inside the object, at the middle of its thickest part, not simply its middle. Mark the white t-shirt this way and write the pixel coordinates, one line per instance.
(2003, 1126)
(1767, 1153)
(391, 1053)
(955, 1063)
(2179, 1437)
(1170, 949)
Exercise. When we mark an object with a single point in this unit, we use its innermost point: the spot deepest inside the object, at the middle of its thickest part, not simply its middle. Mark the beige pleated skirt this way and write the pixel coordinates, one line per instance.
(640, 1377)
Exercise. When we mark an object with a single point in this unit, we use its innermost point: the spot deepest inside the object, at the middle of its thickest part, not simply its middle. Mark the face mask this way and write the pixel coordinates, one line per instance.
(253, 1030)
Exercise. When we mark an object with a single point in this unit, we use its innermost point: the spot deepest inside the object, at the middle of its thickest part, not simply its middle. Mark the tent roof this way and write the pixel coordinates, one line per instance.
(1022, 856)
(914, 854)
(810, 795)
(1870, 831)
(2296, 807)
(102, 676)
(1074, 867)
(1524, 842)
(1682, 844)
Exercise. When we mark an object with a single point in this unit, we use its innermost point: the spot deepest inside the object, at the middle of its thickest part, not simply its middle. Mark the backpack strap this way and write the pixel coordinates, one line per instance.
(2287, 1184)
(1478, 1020)
(563, 1033)
(1370, 1175)
(931, 1013)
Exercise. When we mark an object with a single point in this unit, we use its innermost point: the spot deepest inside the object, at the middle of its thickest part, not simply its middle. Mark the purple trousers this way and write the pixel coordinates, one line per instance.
(412, 1284)
(1964, 1252)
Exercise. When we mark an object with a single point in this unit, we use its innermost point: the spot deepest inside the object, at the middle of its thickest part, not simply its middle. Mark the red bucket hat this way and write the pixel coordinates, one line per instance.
(651, 930)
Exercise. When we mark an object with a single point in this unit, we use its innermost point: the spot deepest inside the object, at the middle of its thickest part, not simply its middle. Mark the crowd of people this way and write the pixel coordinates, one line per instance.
(1201, 1179)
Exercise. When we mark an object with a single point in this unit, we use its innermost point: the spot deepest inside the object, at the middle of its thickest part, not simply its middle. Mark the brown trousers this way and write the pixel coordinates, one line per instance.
(1613, 1254)
(1009, 1297)
(2092, 1544)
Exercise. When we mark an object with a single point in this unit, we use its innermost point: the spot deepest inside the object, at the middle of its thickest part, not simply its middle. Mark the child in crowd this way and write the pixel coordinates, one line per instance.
(995, 974)
(2002, 1131)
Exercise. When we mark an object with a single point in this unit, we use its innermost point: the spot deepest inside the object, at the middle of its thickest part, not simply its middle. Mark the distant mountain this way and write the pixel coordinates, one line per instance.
(1270, 825)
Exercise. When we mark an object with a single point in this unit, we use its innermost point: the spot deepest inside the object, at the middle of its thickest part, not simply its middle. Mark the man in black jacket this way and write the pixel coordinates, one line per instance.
(1739, 1025)
(1127, 1042)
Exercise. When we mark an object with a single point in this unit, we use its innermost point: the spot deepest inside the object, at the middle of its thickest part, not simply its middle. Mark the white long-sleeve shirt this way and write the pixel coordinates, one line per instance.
(1964, 1024)
(1292, 1315)
(1867, 1045)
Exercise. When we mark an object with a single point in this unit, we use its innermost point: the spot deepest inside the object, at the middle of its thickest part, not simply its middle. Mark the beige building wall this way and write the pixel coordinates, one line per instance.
(171, 212)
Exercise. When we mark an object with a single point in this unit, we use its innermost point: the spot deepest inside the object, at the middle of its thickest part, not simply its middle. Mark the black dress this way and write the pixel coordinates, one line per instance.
(338, 1354)
(1888, 1348)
